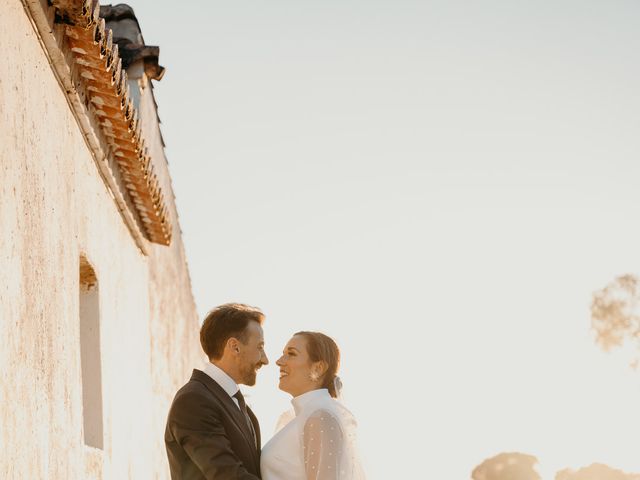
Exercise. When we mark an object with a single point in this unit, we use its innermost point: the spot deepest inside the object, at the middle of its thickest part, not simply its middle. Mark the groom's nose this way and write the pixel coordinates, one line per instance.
(264, 359)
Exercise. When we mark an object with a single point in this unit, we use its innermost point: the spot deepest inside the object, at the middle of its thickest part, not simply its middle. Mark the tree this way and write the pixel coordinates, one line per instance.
(507, 466)
(596, 471)
(615, 313)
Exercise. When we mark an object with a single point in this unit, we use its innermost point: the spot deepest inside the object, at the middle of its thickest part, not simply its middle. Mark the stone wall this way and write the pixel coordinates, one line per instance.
(54, 210)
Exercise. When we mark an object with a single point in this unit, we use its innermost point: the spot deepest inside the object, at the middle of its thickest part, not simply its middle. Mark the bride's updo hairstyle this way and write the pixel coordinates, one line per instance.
(322, 348)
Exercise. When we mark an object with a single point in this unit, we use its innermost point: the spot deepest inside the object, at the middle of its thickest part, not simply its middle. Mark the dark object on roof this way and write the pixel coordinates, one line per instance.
(127, 35)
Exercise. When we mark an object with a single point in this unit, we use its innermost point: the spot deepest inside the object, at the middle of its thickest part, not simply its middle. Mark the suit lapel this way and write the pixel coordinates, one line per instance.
(230, 406)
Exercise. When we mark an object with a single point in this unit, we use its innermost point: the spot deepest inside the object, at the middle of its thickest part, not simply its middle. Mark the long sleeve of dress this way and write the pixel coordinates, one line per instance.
(323, 444)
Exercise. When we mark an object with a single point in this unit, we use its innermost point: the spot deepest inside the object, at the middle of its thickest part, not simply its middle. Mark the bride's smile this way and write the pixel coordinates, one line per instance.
(298, 374)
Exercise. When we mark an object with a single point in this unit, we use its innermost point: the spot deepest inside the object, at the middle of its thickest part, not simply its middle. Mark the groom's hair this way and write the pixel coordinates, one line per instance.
(224, 322)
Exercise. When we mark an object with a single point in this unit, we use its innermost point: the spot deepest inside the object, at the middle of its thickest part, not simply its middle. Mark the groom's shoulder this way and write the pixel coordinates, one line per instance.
(194, 394)
(198, 382)
(195, 386)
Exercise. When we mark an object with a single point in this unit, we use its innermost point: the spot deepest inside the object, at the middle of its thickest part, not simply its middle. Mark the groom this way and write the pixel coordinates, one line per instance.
(211, 433)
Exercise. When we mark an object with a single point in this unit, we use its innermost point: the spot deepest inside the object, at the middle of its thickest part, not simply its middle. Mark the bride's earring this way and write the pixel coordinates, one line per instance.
(314, 376)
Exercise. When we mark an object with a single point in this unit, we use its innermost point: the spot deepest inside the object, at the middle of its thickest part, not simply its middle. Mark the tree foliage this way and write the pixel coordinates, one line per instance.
(507, 466)
(596, 471)
(615, 313)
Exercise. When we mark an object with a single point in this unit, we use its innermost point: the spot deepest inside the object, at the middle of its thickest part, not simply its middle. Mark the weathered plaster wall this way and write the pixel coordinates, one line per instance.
(175, 349)
(54, 207)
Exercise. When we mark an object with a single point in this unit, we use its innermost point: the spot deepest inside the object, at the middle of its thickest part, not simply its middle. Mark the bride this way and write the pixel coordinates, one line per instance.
(320, 442)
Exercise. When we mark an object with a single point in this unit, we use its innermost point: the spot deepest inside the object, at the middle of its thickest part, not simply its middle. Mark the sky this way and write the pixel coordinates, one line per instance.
(440, 186)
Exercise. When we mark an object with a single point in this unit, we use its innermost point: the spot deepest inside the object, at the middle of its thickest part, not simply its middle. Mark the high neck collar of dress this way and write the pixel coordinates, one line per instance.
(301, 401)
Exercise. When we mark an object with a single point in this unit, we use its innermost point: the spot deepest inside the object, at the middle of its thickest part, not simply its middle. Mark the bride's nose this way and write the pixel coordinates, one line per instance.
(279, 362)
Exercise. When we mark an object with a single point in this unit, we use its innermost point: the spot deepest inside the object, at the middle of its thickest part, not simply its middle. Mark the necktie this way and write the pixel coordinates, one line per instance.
(243, 408)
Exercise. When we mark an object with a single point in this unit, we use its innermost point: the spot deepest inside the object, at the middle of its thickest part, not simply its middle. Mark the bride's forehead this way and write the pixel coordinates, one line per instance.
(298, 342)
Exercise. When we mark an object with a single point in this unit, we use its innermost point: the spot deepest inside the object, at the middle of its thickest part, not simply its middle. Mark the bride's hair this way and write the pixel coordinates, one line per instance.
(322, 348)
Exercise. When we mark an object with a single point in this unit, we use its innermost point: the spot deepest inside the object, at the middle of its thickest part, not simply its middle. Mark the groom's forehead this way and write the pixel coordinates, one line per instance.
(255, 331)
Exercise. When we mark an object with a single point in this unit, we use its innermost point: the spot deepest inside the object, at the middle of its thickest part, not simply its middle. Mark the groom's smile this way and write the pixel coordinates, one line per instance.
(251, 355)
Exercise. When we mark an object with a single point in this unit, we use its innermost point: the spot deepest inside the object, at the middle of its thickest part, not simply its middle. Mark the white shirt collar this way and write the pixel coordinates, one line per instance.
(301, 401)
(220, 376)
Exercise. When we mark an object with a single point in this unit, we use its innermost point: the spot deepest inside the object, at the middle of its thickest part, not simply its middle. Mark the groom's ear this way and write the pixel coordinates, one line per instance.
(233, 345)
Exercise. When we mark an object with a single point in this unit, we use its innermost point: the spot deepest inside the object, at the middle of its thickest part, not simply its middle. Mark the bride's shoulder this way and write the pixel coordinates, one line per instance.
(333, 412)
(322, 412)
(321, 422)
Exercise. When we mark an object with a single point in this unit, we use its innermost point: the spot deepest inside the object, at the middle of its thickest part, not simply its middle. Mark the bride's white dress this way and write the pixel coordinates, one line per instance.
(318, 444)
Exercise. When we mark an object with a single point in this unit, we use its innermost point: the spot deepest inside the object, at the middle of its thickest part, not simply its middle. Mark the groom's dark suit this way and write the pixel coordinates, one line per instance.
(207, 436)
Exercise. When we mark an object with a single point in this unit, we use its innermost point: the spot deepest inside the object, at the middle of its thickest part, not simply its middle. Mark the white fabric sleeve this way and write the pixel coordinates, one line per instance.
(323, 446)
